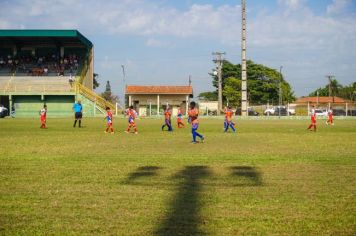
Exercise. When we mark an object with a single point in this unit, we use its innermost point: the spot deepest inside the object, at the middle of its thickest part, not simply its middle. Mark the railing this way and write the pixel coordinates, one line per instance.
(99, 101)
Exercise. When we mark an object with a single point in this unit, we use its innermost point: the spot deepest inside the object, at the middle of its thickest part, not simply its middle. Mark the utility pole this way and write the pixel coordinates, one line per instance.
(330, 78)
(243, 61)
(280, 91)
(124, 84)
(218, 60)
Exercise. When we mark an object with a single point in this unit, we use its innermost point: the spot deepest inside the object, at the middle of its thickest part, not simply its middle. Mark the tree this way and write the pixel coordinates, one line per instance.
(232, 91)
(95, 80)
(208, 96)
(262, 84)
(337, 90)
(108, 96)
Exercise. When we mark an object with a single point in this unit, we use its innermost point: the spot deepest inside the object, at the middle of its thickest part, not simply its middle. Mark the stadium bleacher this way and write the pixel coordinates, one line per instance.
(36, 84)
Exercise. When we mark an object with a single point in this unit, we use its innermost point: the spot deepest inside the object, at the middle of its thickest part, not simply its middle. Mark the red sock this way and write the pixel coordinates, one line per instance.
(310, 126)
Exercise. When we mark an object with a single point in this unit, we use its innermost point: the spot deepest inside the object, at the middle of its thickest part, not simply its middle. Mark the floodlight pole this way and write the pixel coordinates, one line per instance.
(280, 91)
(219, 62)
(124, 84)
(243, 61)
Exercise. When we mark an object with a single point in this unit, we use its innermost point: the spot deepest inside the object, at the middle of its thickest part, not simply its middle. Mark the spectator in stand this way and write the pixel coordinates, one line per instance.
(2, 62)
(45, 71)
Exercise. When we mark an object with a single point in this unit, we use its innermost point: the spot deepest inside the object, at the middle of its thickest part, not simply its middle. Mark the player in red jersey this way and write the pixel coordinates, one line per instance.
(132, 114)
(180, 118)
(331, 118)
(108, 118)
(193, 119)
(313, 119)
(43, 117)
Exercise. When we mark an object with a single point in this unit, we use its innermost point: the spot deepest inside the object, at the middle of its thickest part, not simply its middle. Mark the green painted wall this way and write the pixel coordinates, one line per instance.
(29, 106)
(57, 105)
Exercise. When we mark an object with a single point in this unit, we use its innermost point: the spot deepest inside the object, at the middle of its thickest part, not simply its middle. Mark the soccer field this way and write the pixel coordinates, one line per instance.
(271, 177)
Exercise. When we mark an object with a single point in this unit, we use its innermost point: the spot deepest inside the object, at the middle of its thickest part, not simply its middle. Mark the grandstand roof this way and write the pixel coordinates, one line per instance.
(12, 36)
(132, 89)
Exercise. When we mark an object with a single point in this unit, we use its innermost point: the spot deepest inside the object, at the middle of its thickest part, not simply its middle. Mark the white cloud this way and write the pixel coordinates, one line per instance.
(337, 6)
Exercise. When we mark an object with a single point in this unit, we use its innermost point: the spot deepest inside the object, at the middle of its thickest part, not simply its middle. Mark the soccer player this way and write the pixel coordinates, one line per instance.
(43, 116)
(225, 120)
(331, 119)
(179, 118)
(193, 118)
(108, 118)
(132, 114)
(167, 119)
(228, 119)
(78, 109)
(313, 119)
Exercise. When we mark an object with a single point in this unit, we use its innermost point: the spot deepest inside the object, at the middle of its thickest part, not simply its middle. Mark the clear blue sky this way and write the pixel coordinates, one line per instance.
(165, 41)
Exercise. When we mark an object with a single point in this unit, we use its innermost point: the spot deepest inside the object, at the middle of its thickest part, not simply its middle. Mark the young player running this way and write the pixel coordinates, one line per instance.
(108, 118)
(193, 118)
(331, 118)
(180, 118)
(43, 117)
(167, 119)
(313, 119)
(132, 114)
(228, 119)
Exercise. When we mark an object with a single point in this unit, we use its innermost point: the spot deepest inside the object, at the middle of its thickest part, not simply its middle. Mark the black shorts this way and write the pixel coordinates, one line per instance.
(78, 115)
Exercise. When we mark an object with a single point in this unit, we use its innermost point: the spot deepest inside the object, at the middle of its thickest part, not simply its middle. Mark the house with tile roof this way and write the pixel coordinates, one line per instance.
(152, 100)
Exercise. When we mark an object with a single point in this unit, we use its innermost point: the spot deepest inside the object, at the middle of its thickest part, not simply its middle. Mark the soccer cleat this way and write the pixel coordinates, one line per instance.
(112, 132)
(136, 132)
(202, 139)
(126, 131)
(105, 132)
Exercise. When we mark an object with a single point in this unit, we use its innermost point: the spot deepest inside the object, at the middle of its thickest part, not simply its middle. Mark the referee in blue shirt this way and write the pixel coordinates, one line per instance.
(78, 108)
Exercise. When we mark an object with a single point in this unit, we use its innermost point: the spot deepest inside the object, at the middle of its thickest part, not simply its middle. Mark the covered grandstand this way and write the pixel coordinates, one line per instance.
(53, 67)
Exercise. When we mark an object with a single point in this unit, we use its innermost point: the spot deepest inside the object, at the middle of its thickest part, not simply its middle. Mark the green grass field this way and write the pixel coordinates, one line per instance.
(272, 177)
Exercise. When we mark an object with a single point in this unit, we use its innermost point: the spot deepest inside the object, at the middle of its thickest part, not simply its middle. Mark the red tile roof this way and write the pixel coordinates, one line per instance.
(321, 100)
(131, 89)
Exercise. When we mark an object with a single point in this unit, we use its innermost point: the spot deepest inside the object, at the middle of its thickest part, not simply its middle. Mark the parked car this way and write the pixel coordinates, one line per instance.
(275, 111)
(351, 112)
(251, 111)
(339, 112)
(3, 111)
(280, 111)
(320, 112)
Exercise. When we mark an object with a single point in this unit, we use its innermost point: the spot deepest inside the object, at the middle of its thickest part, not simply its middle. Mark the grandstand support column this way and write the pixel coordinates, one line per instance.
(157, 104)
(61, 51)
(10, 104)
(186, 105)
(130, 100)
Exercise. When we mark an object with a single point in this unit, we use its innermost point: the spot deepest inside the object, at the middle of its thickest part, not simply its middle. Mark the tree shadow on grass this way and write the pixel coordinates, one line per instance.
(183, 217)
(246, 176)
(140, 172)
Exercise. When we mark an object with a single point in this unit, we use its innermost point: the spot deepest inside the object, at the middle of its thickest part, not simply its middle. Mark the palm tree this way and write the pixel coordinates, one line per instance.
(334, 87)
